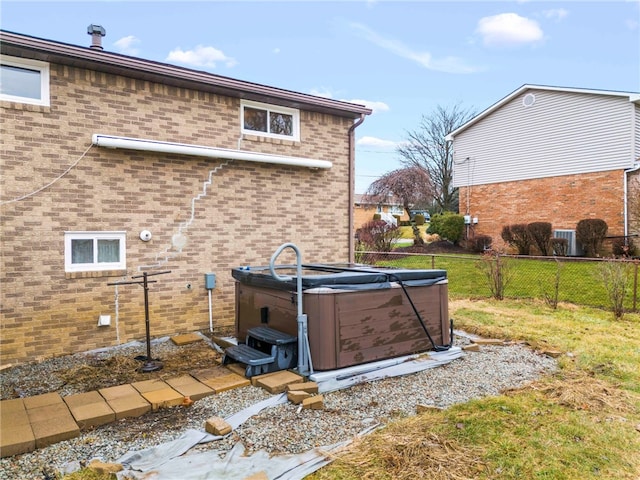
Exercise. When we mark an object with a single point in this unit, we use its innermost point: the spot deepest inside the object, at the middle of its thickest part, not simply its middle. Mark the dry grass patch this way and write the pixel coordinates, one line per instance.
(406, 450)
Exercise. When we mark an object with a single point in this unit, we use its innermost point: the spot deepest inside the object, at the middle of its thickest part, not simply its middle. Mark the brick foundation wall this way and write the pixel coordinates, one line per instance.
(248, 211)
(563, 201)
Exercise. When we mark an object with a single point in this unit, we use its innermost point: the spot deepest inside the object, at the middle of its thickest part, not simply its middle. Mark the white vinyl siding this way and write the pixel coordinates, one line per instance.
(562, 133)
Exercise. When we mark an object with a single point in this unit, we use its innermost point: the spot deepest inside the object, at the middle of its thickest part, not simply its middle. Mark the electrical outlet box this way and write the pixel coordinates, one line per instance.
(104, 320)
(210, 281)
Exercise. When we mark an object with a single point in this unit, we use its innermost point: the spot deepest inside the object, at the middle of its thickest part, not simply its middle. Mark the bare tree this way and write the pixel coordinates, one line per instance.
(410, 185)
(427, 149)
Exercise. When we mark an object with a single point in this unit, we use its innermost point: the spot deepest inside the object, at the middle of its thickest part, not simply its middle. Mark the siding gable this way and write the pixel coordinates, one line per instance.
(562, 133)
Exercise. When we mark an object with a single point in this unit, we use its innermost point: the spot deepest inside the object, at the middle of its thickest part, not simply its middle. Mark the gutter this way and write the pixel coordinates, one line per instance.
(625, 177)
(352, 168)
(111, 141)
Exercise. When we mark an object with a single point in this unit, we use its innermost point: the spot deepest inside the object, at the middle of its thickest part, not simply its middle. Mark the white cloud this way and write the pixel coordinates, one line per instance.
(322, 92)
(127, 44)
(555, 13)
(446, 64)
(375, 106)
(376, 142)
(508, 29)
(276, 50)
(200, 56)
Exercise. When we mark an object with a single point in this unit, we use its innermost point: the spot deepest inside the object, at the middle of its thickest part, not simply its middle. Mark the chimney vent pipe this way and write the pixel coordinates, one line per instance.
(96, 32)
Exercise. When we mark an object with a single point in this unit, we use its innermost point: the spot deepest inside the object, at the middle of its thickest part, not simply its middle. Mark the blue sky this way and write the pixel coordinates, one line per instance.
(401, 58)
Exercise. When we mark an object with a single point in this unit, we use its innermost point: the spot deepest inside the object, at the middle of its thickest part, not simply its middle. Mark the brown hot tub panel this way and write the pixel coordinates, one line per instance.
(353, 317)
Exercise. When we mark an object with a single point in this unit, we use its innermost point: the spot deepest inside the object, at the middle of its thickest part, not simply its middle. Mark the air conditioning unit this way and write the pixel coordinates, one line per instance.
(574, 249)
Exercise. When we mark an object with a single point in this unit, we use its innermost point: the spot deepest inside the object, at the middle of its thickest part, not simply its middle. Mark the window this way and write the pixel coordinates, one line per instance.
(25, 81)
(270, 121)
(94, 251)
(397, 210)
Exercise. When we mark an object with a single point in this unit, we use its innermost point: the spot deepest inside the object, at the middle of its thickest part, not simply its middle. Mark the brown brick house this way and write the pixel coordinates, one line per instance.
(551, 154)
(114, 165)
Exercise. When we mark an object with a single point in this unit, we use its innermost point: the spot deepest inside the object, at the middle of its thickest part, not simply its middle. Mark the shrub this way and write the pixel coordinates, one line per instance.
(480, 243)
(615, 276)
(419, 219)
(560, 246)
(377, 216)
(497, 271)
(590, 233)
(378, 235)
(623, 247)
(517, 235)
(540, 235)
(448, 225)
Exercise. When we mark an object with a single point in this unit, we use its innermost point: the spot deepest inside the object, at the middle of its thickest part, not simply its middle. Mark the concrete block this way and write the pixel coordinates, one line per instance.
(277, 382)
(149, 385)
(167, 397)
(309, 387)
(237, 368)
(187, 386)
(186, 338)
(53, 428)
(42, 400)
(217, 426)
(208, 373)
(13, 413)
(226, 382)
(89, 409)
(125, 401)
(16, 439)
(314, 403)
(103, 467)
(297, 396)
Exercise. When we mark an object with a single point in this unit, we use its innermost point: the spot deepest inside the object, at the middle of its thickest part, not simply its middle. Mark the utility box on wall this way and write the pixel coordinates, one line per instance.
(210, 281)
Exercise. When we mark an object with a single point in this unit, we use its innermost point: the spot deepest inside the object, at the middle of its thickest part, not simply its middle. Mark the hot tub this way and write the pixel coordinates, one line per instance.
(356, 314)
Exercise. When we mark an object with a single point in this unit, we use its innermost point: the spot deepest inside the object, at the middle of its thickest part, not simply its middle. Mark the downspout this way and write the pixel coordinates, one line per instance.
(626, 197)
(352, 168)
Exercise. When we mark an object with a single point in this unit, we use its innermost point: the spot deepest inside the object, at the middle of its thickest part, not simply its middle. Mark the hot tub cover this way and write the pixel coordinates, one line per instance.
(337, 276)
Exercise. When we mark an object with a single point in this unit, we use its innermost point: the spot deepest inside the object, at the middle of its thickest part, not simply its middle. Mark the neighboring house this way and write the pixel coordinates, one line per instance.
(113, 166)
(550, 154)
(366, 207)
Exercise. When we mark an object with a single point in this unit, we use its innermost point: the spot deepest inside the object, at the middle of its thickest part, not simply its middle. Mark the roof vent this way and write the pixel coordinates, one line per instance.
(96, 32)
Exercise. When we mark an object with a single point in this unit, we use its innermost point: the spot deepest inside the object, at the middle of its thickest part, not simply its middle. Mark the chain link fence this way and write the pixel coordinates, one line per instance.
(582, 281)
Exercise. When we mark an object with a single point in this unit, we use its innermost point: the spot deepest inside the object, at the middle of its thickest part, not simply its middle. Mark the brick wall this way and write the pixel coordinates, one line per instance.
(248, 211)
(563, 201)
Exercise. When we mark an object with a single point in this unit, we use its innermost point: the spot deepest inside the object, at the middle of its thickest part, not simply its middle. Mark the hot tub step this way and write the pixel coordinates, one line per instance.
(269, 335)
(245, 354)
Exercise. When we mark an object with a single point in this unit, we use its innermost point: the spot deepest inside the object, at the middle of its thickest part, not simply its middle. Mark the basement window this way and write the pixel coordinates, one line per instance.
(94, 251)
(270, 120)
(24, 81)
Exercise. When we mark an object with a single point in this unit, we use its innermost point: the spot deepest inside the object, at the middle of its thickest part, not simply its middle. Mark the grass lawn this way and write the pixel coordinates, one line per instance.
(581, 423)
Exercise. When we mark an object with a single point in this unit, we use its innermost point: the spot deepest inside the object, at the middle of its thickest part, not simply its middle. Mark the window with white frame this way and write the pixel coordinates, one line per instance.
(23, 80)
(396, 210)
(270, 120)
(94, 251)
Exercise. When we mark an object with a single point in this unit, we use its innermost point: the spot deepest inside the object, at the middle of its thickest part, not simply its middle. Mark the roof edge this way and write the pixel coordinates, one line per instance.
(633, 97)
(117, 63)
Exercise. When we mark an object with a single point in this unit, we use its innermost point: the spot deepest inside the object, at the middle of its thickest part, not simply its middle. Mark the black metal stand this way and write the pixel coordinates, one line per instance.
(150, 364)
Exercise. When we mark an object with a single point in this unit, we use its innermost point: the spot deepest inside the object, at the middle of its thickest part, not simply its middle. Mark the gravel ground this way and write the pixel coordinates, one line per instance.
(281, 429)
